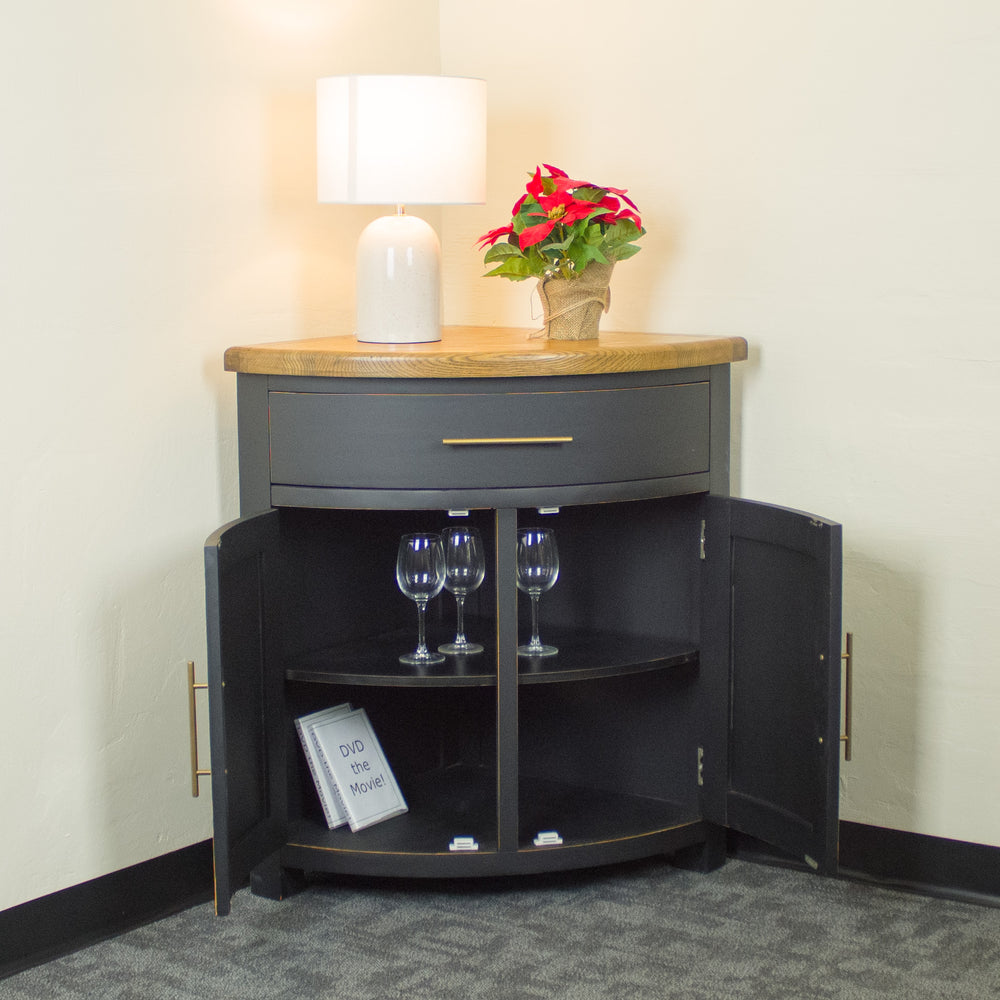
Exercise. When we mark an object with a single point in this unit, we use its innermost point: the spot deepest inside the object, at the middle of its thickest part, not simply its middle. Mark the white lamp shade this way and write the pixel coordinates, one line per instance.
(401, 140)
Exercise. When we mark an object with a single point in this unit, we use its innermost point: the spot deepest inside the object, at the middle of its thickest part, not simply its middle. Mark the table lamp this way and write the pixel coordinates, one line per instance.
(400, 140)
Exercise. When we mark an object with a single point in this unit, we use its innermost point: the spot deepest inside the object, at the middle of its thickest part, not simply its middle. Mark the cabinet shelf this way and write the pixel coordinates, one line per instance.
(583, 655)
(375, 660)
(589, 654)
(460, 801)
(584, 816)
(445, 803)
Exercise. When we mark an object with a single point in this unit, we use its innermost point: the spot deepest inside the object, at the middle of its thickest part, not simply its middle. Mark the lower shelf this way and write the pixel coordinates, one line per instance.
(457, 801)
(597, 827)
(584, 816)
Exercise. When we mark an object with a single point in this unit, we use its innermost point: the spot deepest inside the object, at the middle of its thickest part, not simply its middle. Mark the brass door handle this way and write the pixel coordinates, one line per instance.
(196, 771)
(507, 440)
(848, 658)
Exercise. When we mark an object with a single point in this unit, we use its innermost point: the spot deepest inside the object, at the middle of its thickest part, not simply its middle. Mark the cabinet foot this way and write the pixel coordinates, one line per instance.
(270, 880)
(706, 856)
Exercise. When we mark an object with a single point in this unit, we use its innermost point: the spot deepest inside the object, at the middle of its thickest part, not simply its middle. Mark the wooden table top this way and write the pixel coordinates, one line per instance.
(484, 352)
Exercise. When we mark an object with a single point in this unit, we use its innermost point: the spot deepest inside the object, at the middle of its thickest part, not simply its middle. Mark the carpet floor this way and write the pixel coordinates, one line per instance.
(636, 932)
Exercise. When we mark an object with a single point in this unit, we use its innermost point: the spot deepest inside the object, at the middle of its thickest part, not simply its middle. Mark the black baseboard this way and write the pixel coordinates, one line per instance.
(895, 859)
(914, 862)
(84, 914)
(73, 918)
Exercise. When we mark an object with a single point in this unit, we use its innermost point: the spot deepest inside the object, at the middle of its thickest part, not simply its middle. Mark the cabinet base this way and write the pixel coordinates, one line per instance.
(706, 856)
(273, 881)
(282, 873)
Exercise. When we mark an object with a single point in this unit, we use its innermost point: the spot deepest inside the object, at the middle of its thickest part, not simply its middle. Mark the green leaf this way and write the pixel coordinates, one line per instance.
(527, 208)
(593, 215)
(497, 273)
(591, 253)
(537, 261)
(501, 250)
(515, 268)
(624, 251)
(561, 247)
(624, 231)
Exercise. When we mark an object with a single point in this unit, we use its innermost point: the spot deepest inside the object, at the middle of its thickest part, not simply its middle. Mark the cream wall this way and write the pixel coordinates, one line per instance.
(156, 205)
(820, 177)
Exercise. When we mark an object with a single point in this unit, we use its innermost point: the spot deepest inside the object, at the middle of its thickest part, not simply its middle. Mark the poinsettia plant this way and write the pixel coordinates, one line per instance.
(560, 225)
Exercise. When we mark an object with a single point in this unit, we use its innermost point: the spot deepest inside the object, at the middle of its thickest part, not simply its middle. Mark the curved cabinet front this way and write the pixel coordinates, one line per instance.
(474, 441)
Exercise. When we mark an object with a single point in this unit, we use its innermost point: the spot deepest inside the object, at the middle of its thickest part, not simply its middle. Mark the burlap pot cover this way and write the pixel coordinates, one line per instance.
(572, 307)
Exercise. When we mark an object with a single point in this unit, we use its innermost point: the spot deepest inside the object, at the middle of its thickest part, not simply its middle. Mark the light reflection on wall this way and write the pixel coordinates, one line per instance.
(293, 18)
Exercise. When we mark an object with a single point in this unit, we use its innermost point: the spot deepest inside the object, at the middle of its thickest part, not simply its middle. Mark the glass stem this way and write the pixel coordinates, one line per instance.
(535, 641)
(460, 633)
(421, 631)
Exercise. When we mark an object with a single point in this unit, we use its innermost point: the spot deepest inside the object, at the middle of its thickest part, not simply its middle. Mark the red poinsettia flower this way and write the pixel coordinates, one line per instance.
(562, 180)
(562, 224)
(560, 208)
(488, 239)
(576, 208)
(625, 213)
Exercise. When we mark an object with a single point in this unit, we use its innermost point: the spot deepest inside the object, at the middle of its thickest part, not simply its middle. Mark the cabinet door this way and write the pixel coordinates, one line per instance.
(783, 584)
(244, 701)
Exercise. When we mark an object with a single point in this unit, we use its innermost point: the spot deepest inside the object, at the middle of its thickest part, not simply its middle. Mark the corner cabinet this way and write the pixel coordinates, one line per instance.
(697, 684)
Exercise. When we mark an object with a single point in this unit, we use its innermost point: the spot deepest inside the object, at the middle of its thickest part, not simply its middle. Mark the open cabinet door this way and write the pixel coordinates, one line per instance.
(784, 586)
(246, 772)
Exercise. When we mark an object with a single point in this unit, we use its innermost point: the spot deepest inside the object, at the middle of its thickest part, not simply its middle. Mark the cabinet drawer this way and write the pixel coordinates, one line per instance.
(486, 440)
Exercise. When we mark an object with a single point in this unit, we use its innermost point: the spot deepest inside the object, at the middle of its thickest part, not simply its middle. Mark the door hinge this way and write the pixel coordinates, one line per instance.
(701, 765)
(701, 542)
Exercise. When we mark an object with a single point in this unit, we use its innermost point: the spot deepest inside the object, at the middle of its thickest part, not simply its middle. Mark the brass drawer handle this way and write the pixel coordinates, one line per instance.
(510, 440)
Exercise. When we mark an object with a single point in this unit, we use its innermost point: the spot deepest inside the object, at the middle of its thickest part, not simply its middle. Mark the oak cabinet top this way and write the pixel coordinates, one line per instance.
(484, 352)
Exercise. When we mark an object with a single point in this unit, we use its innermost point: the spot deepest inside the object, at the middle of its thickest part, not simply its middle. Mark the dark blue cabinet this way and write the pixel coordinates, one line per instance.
(697, 684)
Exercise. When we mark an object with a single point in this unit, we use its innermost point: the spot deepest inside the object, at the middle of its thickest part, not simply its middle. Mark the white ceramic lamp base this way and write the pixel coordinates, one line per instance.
(398, 282)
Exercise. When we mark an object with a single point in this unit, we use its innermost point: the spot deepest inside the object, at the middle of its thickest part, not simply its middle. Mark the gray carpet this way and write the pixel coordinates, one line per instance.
(642, 931)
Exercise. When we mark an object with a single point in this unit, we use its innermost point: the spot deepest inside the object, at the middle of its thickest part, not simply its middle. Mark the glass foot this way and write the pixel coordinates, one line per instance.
(536, 649)
(460, 648)
(421, 659)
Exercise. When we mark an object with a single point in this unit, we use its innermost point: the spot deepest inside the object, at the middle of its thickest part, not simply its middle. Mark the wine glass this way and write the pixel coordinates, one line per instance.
(420, 575)
(464, 568)
(537, 571)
